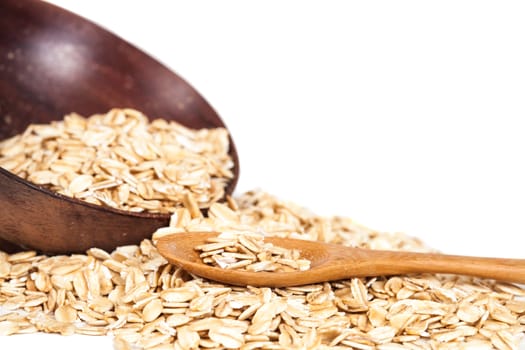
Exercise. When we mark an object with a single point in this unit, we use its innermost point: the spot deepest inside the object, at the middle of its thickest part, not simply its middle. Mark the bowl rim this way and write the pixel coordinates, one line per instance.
(76, 201)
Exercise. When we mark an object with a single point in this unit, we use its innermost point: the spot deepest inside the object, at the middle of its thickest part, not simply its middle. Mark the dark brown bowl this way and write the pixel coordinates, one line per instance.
(53, 62)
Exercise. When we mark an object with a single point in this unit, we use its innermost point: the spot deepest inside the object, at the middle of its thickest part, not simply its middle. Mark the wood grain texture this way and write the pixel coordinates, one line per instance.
(330, 262)
(53, 62)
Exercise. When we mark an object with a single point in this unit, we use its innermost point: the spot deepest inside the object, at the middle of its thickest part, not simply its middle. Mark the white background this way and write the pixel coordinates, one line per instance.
(404, 115)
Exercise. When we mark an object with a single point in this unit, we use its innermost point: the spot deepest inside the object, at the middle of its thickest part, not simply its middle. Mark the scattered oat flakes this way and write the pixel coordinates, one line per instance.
(133, 294)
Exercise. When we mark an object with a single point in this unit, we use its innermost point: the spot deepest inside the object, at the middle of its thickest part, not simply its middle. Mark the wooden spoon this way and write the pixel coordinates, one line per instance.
(53, 62)
(331, 262)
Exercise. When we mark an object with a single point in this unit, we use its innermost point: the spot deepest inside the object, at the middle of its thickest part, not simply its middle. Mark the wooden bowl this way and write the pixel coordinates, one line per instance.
(53, 62)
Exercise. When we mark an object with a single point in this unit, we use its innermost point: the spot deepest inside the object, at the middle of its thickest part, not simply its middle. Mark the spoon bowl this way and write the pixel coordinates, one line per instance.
(53, 62)
(330, 262)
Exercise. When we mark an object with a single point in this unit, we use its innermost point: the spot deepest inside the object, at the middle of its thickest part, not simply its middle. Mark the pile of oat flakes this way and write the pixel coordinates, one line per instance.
(123, 160)
(145, 303)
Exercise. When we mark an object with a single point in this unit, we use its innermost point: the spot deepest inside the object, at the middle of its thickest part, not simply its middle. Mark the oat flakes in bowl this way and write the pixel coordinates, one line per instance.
(120, 162)
(123, 160)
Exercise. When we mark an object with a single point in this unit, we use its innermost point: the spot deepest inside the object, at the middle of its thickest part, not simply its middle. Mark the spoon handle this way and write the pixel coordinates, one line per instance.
(394, 262)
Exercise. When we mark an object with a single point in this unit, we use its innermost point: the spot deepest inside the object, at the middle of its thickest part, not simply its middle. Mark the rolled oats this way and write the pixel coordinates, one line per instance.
(146, 303)
(121, 159)
(248, 251)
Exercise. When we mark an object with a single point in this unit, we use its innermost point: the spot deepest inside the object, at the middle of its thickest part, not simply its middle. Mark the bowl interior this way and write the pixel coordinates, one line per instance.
(54, 62)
